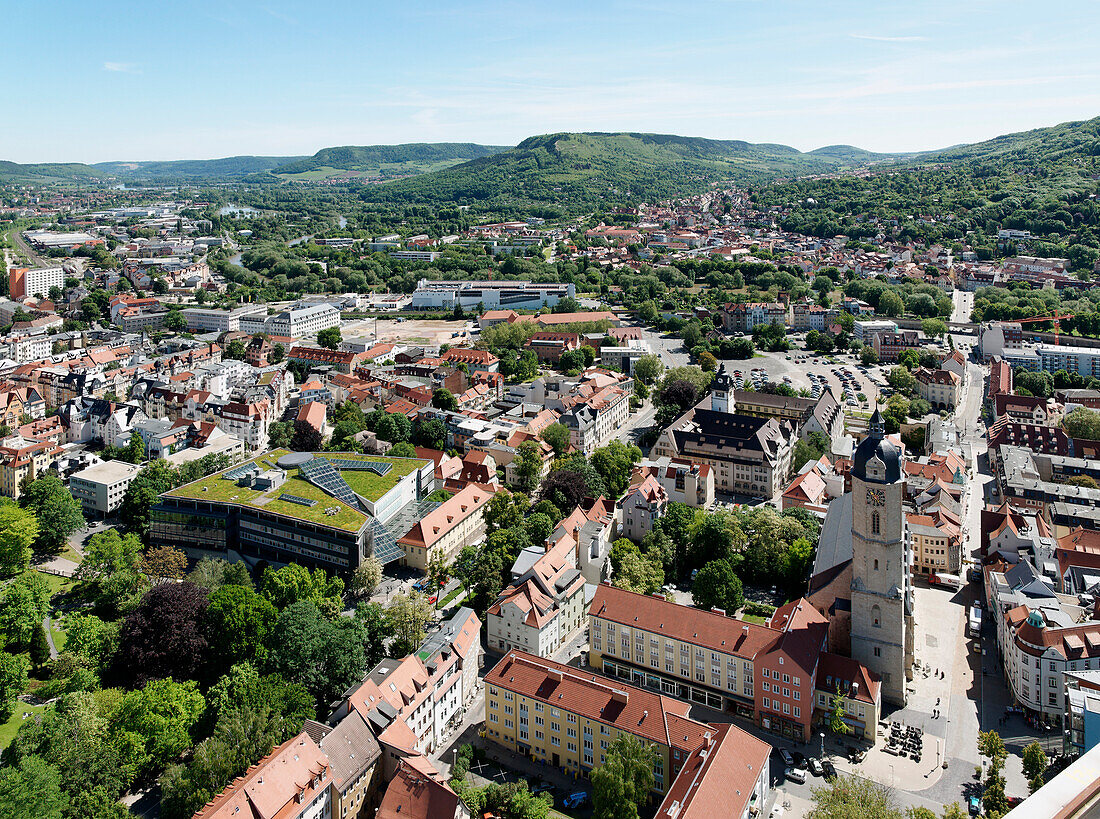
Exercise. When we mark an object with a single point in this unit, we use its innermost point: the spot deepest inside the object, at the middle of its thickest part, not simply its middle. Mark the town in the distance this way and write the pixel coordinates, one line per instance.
(694, 507)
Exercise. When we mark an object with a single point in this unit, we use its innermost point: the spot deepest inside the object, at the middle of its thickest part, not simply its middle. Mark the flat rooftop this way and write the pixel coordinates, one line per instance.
(367, 484)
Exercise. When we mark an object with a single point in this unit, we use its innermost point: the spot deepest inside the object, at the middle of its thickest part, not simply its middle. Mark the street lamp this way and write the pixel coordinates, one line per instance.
(822, 735)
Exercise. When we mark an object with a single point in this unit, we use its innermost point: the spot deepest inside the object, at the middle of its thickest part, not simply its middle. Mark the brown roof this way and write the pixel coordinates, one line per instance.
(271, 788)
(446, 516)
(645, 714)
(719, 778)
(417, 794)
(703, 628)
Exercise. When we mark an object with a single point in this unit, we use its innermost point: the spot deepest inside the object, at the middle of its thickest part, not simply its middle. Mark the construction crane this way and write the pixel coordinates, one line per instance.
(1056, 318)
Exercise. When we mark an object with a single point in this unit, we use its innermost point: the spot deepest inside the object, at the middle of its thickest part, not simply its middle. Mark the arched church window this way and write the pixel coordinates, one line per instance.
(875, 523)
(876, 617)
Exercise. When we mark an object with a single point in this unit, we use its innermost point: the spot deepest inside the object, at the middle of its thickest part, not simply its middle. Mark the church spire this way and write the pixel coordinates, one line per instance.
(876, 426)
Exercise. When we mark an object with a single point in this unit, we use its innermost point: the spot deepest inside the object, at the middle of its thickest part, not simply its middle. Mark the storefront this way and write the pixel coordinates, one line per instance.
(677, 687)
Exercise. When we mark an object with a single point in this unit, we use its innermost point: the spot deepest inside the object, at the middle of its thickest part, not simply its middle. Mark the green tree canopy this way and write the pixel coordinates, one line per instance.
(621, 785)
(59, 514)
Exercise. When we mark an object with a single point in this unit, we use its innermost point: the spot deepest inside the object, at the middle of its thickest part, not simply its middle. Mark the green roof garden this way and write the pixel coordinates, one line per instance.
(367, 484)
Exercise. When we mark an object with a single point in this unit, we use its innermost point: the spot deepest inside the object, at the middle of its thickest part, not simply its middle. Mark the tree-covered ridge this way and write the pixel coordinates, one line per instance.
(386, 160)
(47, 173)
(193, 169)
(577, 171)
(1043, 181)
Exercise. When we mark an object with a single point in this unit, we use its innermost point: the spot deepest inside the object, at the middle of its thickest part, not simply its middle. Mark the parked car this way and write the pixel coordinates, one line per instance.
(575, 800)
(785, 755)
(815, 767)
(974, 806)
(796, 775)
(799, 758)
(829, 769)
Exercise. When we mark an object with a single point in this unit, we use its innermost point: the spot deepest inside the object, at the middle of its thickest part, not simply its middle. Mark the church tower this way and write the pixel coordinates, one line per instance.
(721, 397)
(882, 594)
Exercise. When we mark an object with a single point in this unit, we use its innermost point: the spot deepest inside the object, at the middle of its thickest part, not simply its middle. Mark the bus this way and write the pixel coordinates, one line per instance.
(974, 621)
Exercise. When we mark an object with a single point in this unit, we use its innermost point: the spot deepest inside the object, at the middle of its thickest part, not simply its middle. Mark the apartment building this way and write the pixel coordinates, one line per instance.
(101, 488)
(343, 361)
(543, 606)
(742, 318)
(292, 782)
(936, 542)
(888, 346)
(642, 506)
(560, 716)
(29, 282)
(429, 690)
(865, 330)
(1082, 710)
(594, 422)
(1085, 361)
(442, 533)
(21, 459)
(940, 388)
(683, 481)
(299, 321)
(219, 321)
(354, 756)
(769, 673)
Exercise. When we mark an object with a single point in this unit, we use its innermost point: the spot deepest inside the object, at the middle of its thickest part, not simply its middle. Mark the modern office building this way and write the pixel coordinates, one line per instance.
(490, 295)
(100, 488)
(329, 510)
(298, 321)
(1085, 361)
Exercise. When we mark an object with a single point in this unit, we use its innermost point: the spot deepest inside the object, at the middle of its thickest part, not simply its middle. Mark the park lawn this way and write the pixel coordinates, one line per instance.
(754, 618)
(9, 728)
(57, 583)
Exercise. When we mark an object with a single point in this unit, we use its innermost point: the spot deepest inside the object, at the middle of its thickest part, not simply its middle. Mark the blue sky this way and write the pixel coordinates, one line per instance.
(112, 80)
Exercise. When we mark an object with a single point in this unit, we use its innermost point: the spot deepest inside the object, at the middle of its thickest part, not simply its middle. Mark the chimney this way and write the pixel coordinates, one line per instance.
(619, 696)
(554, 674)
(717, 610)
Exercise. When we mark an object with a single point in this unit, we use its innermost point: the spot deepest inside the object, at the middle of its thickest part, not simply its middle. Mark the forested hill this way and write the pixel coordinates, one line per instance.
(1044, 181)
(193, 169)
(574, 171)
(380, 162)
(48, 173)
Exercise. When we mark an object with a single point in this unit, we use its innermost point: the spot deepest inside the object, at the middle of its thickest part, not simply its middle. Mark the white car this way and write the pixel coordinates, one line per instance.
(796, 775)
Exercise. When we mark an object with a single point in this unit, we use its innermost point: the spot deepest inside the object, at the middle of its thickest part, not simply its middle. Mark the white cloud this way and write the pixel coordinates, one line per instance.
(878, 38)
(123, 68)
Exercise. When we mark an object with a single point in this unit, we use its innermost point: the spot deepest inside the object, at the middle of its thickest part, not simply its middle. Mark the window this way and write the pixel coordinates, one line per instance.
(492, 718)
(555, 742)
(798, 695)
(538, 706)
(555, 726)
(493, 704)
(875, 525)
(572, 746)
(878, 651)
(571, 718)
(876, 565)
(1050, 698)
(797, 712)
(767, 686)
(876, 614)
(786, 678)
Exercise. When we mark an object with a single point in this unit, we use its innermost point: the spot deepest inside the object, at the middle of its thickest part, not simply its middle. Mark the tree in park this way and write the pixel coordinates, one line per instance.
(366, 577)
(615, 464)
(850, 797)
(707, 361)
(154, 724)
(539, 526)
(31, 790)
(59, 514)
(279, 434)
(679, 394)
(330, 338)
(1035, 765)
(322, 654)
(14, 669)
(621, 785)
(890, 304)
(639, 573)
(901, 379)
(164, 636)
(1082, 423)
(564, 488)
(293, 583)
(239, 622)
(557, 435)
(306, 438)
(648, 368)
(163, 564)
(175, 321)
(18, 532)
(528, 465)
(718, 586)
(431, 434)
(142, 493)
(212, 573)
(867, 356)
(23, 605)
(39, 647)
(235, 349)
(444, 399)
(407, 616)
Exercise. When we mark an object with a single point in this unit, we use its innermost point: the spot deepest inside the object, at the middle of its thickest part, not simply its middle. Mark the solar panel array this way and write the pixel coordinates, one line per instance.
(378, 467)
(296, 499)
(240, 471)
(385, 546)
(322, 474)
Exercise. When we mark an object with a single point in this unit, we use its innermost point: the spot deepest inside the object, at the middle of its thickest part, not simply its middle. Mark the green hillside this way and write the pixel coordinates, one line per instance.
(578, 170)
(49, 173)
(194, 169)
(1044, 181)
(381, 162)
(850, 155)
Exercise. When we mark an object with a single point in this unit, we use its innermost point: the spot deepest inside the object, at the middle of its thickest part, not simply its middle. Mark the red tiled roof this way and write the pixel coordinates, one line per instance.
(719, 778)
(643, 713)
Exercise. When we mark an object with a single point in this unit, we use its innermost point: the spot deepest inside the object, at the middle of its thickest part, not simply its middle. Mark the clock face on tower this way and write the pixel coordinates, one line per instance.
(876, 497)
